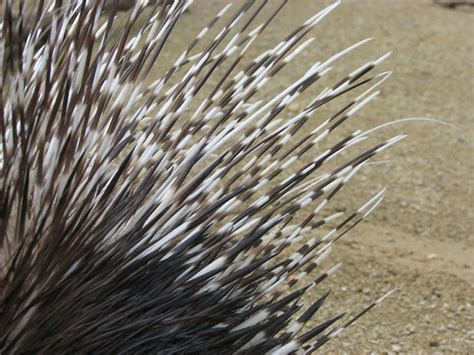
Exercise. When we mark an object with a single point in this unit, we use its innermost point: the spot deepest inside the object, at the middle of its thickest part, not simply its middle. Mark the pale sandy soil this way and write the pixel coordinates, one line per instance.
(421, 239)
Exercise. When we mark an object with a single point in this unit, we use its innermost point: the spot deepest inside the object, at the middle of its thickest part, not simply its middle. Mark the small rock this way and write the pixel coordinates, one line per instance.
(396, 348)
(410, 329)
(434, 343)
(432, 256)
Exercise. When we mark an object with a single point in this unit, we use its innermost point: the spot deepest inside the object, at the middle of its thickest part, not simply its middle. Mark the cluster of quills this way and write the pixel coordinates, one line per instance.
(135, 218)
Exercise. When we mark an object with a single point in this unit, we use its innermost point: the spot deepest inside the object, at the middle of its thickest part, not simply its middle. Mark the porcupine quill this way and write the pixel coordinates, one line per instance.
(130, 224)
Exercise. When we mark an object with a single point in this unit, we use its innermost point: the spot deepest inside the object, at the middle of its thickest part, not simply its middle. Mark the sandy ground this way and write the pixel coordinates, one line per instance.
(421, 239)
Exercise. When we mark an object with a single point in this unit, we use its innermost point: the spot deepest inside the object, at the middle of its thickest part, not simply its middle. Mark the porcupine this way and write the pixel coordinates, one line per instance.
(133, 224)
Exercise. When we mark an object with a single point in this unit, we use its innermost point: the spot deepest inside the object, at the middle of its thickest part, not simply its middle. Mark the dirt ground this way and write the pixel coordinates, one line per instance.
(421, 238)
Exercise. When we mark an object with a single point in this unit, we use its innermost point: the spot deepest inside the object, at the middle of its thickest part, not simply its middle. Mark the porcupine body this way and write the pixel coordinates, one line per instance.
(133, 224)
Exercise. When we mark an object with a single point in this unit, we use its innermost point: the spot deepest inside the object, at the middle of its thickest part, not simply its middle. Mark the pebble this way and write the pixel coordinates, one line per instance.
(410, 329)
(434, 343)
